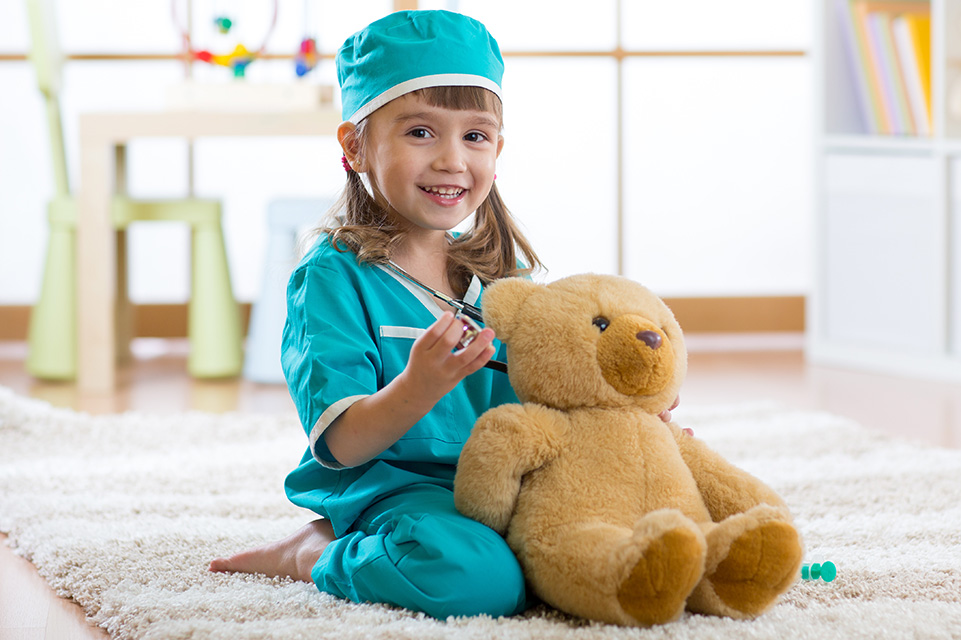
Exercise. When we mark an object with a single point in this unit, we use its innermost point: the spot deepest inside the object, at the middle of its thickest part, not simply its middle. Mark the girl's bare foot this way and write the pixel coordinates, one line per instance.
(293, 557)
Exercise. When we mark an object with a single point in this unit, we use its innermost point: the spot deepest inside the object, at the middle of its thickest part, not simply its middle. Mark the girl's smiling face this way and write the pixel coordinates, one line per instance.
(431, 165)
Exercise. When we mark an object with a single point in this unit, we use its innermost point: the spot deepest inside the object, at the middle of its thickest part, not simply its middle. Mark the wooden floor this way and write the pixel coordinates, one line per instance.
(721, 370)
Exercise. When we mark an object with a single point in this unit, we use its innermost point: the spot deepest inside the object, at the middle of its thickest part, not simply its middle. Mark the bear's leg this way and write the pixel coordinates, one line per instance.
(614, 574)
(752, 558)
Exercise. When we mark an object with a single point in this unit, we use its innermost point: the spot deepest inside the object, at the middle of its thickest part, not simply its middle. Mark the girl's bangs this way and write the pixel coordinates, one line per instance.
(462, 99)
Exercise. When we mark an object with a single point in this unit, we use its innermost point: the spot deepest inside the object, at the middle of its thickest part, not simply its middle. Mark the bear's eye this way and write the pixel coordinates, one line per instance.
(601, 322)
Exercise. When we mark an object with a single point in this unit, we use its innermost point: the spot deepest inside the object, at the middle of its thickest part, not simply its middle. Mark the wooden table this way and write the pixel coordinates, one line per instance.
(103, 139)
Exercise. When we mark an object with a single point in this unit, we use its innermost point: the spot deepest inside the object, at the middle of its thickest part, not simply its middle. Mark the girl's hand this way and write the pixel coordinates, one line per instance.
(666, 414)
(435, 368)
(374, 423)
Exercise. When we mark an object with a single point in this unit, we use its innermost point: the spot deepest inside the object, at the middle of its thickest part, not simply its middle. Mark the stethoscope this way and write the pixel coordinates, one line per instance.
(467, 313)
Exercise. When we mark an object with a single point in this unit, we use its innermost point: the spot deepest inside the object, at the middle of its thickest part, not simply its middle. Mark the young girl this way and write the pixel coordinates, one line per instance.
(385, 393)
(387, 404)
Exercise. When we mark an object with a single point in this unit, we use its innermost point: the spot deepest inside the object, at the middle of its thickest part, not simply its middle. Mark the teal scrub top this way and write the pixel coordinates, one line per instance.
(349, 332)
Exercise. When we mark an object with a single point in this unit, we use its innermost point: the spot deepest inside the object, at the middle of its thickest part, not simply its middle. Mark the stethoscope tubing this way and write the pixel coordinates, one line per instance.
(466, 308)
(469, 310)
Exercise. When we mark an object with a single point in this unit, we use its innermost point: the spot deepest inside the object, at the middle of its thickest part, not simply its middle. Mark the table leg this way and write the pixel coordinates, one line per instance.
(124, 308)
(96, 267)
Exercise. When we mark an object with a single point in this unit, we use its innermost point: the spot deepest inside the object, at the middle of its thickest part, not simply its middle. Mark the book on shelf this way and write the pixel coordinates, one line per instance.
(888, 45)
(912, 36)
(892, 84)
(859, 65)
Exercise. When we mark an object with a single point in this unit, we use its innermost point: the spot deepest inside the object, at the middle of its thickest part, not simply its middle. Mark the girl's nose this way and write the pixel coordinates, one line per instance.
(450, 159)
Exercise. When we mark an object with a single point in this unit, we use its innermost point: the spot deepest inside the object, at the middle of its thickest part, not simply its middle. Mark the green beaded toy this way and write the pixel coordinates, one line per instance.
(223, 24)
(825, 571)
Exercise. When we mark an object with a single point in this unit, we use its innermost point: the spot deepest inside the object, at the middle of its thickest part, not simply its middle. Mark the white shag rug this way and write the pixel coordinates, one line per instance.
(122, 514)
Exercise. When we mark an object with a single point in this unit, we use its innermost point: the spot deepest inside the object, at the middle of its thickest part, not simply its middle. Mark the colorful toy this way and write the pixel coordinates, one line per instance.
(614, 515)
(306, 59)
(238, 59)
(825, 571)
(307, 55)
(223, 24)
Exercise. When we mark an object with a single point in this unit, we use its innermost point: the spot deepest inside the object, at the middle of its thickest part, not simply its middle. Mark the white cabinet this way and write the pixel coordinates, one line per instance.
(887, 288)
(882, 251)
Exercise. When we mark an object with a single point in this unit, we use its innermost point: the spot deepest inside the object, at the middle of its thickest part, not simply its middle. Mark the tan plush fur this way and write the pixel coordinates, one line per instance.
(614, 515)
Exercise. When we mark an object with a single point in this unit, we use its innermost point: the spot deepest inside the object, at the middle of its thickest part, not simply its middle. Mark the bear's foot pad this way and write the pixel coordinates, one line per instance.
(658, 585)
(759, 566)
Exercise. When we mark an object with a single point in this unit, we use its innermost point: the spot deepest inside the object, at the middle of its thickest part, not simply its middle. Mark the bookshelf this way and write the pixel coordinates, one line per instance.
(887, 287)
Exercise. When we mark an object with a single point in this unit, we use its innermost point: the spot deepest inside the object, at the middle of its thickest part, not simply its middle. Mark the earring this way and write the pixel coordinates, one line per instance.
(344, 161)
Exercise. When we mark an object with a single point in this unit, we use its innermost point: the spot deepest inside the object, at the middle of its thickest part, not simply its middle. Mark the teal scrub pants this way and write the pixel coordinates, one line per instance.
(413, 549)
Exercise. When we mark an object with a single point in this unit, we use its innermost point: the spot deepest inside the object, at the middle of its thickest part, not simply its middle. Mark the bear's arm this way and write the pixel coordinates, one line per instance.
(507, 442)
(726, 489)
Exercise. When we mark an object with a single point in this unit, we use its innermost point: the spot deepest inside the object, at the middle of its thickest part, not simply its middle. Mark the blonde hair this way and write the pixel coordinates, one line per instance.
(489, 249)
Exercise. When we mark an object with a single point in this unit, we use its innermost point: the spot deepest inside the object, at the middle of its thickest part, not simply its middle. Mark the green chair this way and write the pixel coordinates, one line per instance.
(214, 327)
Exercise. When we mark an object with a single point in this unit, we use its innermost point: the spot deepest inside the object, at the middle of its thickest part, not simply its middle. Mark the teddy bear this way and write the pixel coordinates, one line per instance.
(613, 514)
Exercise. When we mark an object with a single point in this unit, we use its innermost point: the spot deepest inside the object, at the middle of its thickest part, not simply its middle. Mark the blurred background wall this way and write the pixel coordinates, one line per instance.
(668, 141)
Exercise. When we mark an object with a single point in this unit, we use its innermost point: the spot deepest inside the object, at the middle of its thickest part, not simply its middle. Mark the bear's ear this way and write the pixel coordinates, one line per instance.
(502, 301)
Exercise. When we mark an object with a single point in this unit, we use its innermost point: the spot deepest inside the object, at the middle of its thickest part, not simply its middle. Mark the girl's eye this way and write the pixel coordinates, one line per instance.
(419, 133)
(601, 323)
(475, 136)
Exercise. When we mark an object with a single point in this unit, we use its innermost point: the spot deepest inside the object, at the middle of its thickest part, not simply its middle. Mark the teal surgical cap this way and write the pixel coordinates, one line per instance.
(410, 50)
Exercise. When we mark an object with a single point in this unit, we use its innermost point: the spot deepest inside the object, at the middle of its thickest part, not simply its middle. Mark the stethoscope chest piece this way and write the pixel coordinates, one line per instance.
(467, 313)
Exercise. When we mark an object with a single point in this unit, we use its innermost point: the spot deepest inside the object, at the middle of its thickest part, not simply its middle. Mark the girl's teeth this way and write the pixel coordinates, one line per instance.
(444, 191)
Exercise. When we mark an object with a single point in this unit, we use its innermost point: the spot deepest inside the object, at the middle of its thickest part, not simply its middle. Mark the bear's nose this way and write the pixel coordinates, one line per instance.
(650, 338)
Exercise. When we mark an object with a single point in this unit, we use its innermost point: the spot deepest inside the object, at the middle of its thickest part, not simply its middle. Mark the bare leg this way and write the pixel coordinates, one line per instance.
(293, 557)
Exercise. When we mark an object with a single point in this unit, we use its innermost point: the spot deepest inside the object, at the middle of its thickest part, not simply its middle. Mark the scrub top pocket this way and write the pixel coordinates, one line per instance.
(395, 345)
